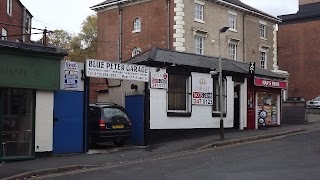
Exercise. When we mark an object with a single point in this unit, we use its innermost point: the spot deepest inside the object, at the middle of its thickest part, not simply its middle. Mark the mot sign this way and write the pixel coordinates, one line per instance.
(114, 70)
(202, 91)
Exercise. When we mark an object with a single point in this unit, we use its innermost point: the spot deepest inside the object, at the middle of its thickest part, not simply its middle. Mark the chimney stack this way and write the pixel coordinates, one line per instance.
(302, 2)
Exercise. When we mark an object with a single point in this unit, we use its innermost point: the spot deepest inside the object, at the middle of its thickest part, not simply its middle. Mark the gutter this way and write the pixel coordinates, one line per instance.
(249, 11)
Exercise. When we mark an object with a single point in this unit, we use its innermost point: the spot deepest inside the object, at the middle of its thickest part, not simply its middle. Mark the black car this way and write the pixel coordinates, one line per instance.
(108, 122)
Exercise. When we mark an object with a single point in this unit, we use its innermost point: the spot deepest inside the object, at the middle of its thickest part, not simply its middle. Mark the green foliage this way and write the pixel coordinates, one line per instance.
(81, 46)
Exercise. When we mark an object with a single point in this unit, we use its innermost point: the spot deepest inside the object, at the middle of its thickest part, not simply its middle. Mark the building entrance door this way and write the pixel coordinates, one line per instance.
(17, 123)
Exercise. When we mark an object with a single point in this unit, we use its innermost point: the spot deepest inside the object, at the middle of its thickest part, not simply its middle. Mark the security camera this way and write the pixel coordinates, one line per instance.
(214, 72)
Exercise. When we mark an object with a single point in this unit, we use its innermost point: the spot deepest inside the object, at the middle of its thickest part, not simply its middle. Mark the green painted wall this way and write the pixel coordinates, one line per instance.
(26, 71)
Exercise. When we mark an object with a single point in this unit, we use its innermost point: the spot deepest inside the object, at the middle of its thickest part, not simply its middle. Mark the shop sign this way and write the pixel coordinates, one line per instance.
(71, 76)
(114, 70)
(159, 80)
(202, 91)
(270, 83)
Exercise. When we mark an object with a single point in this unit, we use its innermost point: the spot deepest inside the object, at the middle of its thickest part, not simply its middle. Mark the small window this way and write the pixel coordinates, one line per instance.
(263, 31)
(28, 24)
(179, 97)
(4, 34)
(199, 40)
(9, 7)
(263, 60)
(233, 51)
(216, 93)
(136, 51)
(136, 25)
(233, 21)
(199, 11)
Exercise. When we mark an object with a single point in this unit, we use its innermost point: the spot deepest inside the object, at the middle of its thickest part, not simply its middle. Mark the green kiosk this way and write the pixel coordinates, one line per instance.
(25, 69)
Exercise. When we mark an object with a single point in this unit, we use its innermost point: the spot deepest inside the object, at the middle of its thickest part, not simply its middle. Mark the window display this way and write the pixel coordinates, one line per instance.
(267, 108)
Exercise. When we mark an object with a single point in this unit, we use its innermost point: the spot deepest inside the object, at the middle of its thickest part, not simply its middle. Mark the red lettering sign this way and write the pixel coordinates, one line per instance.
(270, 83)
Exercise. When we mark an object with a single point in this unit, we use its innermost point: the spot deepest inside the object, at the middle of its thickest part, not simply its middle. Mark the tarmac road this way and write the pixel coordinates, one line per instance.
(290, 158)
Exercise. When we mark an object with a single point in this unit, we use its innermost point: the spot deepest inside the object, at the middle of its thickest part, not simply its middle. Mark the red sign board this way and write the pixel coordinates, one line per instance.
(270, 83)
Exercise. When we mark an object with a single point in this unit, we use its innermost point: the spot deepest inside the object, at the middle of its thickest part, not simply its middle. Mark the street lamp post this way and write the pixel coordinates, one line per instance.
(222, 30)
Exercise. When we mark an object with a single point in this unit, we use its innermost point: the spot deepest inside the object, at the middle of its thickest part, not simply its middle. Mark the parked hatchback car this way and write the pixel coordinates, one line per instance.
(108, 122)
(314, 103)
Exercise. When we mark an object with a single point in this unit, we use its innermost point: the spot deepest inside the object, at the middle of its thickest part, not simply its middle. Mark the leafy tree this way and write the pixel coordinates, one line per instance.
(80, 46)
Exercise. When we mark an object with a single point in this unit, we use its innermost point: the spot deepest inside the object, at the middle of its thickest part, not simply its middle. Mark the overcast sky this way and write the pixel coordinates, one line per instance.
(69, 14)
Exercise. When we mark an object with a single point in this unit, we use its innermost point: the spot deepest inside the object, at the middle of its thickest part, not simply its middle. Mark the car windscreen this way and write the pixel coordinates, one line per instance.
(317, 99)
(108, 113)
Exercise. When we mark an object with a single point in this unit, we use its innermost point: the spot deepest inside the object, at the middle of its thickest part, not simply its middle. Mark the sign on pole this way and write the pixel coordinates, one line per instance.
(114, 70)
(252, 67)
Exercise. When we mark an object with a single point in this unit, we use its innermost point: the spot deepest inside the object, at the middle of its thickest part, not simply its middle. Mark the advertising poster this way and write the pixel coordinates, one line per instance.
(159, 80)
(202, 91)
(267, 108)
(71, 76)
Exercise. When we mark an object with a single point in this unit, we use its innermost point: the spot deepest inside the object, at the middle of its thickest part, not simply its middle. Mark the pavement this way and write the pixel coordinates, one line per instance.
(113, 156)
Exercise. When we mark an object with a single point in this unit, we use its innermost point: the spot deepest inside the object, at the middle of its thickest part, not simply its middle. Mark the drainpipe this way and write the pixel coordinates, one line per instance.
(168, 24)
(244, 39)
(120, 34)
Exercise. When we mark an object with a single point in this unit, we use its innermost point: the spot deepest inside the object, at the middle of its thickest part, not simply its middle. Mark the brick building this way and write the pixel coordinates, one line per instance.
(15, 21)
(127, 28)
(298, 49)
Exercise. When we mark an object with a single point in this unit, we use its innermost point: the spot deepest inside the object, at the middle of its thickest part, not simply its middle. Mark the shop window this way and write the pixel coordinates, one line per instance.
(267, 108)
(216, 99)
(179, 96)
(16, 120)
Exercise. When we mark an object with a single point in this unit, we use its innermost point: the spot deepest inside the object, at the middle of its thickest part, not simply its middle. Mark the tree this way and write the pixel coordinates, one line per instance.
(81, 46)
(60, 38)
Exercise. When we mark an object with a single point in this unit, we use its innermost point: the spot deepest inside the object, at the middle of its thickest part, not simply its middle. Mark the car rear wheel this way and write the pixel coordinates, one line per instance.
(92, 143)
(119, 143)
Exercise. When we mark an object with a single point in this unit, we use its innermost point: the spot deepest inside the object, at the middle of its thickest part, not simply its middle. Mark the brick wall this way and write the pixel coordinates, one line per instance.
(299, 55)
(17, 18)
(153, 29)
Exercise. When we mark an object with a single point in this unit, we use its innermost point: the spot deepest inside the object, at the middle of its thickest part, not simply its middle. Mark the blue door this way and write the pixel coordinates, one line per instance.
(68, 136)
(135, 108)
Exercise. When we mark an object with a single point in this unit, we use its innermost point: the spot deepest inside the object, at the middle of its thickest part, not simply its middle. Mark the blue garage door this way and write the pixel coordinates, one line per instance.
(68, 122)
(135, 108)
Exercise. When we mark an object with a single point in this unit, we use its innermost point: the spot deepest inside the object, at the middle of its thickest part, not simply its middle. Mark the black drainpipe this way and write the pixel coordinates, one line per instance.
(168, 24)
(120, 34)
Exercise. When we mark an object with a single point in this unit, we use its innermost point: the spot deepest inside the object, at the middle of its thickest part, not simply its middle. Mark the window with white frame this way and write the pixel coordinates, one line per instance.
(216, 93)
(4, 34)
(9, 7)
(263, 30)
(136, 25)
(233, 21)
(233, 51)
(199, 44)
(28, 23)
(199, 11)
(179, 96)
(263, 59)
(136, 51)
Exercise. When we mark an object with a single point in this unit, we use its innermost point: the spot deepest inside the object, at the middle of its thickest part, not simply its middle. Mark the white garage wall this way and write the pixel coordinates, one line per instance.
(201, 116)
(44, 121)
